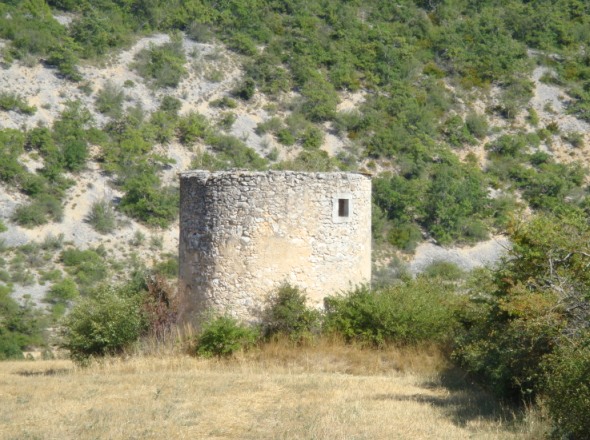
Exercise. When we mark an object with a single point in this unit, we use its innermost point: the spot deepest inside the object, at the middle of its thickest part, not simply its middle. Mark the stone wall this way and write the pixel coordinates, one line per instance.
(242, 234)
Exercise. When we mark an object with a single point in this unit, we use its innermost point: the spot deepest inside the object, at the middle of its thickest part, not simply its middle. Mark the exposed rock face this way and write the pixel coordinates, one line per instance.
(242, 234)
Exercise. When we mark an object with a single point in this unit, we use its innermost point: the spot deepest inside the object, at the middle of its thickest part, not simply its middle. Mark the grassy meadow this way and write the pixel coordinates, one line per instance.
(323, 391)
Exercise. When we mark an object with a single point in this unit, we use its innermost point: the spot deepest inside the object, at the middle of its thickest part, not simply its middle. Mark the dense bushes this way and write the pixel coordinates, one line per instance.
(287, 313)
(102, 324)
(409, 313)
(567, 389)
(223, 336)
(21, 326)
(528, 333)
(162, 65)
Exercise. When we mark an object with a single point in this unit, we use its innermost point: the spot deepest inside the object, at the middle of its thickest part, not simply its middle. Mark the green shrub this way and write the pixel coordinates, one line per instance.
(60, 295)
(567, 390)
(312, 137)
(404, 236)
(245, 90)
(43, 208)
(106, 323)
(163, 65)
(192, 127)
(147, 201)
(20, 326)
(533, 117)
(199, 32)
(286, 313)
(225, 102)
(109, 100)
(102, 216)
(456, 132)
(285, 137)
(445, 270)
(223, 336)
(536, 296)
(477, 125)
(65, 60)
(86, 266)
(409, 313)
(12, 101)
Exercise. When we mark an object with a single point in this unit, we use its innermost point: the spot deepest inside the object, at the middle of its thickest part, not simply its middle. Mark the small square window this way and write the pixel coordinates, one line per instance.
(343, 207)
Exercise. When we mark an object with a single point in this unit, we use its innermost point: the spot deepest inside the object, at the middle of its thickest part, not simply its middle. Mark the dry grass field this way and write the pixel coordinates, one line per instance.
(327, 391)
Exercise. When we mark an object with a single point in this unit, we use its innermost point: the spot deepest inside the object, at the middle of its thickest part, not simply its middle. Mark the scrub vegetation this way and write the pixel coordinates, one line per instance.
(438, 79)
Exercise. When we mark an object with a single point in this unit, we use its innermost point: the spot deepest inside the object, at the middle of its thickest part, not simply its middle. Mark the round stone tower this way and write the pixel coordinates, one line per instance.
(242, 234)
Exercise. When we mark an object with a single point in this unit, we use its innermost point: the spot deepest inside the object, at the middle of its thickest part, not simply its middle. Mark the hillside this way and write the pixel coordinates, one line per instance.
(203, 119)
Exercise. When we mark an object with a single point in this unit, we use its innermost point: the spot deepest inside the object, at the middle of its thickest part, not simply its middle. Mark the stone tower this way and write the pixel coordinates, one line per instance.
(242, 234)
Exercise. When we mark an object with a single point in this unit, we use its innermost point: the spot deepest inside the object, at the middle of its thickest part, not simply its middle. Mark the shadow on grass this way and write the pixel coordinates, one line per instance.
(464, 402)
(50, 372)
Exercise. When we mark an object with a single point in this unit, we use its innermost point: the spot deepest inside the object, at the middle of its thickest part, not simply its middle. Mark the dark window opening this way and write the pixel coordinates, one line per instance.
(342, 207)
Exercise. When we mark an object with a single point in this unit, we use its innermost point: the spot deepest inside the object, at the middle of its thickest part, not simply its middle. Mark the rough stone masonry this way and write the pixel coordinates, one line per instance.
(242, 234)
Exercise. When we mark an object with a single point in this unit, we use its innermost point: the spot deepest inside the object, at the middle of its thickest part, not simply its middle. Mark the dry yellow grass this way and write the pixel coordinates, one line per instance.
(321, 392)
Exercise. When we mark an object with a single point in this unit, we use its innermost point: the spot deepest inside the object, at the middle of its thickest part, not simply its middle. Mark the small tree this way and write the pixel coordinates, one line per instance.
(287, 313)
(103, 324)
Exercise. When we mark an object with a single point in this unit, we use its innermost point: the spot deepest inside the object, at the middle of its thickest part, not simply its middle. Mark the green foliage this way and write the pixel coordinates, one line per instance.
(409, 313)
(145, 199)
(20, 326)
(163, 65)
(444, 270)
(102, 216)
(88, 267)
(42, 209)
(537, 298)
(404, 236)
(231, 152)
(567, 389)
(98, 31)
(11, 147)
(62, 292)
(477, 125)
(320, 99)
(109, 100)
(286, 313)
(12, 101)
(456, 132)
(450, 205)
(105, 323)
(192, 127)
(71, 137)
(245, 90)
(223, 336)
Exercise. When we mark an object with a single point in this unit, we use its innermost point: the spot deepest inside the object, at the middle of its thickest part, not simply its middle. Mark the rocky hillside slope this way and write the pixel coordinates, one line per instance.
(212, 73)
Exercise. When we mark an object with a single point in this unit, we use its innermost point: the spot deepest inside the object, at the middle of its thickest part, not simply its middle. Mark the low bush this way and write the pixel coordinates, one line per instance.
(223, 336)
(287, 313)
(192, 127)
(163, 65)
(105, 323)
(109, 100)
(404, 236)
(567, 390)
(12, 101)
(42, 209)
(102, 216)
(20, 328)
(409, 313)
(87, 267)
(445, 270)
